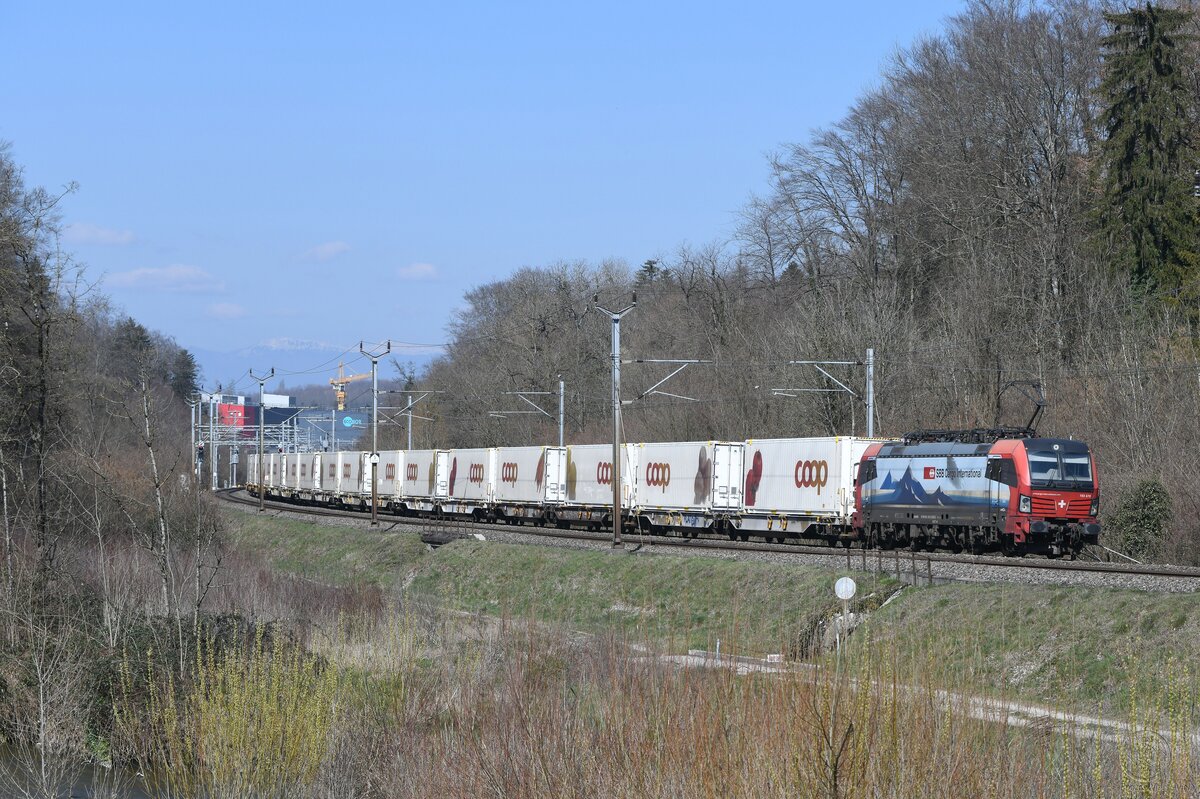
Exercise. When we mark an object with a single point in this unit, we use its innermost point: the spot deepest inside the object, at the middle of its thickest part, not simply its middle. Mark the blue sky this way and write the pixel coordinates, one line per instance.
(269, 183)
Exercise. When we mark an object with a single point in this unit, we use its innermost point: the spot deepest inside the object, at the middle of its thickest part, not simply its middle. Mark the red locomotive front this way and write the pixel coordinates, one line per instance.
(1056, 494)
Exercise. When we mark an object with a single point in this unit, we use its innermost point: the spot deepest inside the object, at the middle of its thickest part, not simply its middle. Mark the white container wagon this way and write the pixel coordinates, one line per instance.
(470, 482)
(388, 475)
(530, 482)
(308, 485)
(425, 482)
(800, 487)
(588, 493)
(343, 477)
(290, 482)
(695, 484)
(273, 469)
(252, 476)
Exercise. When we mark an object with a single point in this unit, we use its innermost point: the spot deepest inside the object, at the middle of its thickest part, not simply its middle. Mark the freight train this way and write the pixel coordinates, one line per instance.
(1013, 495)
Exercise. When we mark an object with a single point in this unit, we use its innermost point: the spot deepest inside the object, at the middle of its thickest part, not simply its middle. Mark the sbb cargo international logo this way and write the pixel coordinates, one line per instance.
(936, 473)
(658, 475)
(508, 473)
(475, 473)
(604, 473)
(812, 474)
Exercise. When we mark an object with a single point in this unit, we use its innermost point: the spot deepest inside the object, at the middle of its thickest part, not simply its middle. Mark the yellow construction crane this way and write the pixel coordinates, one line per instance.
(340, 382)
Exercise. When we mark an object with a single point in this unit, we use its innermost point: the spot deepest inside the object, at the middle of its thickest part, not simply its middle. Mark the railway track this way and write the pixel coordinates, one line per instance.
(439, 531)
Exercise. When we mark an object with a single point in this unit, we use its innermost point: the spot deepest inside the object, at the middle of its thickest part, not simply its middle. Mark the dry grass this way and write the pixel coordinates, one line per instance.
(435, 710)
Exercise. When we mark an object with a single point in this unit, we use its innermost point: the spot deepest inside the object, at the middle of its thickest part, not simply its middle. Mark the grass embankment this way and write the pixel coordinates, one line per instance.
(333, 554)
(1052, 643)
(684, 601)
(687, 601)
(1074, 646)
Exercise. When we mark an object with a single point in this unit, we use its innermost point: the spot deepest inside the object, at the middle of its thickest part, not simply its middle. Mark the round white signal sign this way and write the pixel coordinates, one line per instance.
(845, 588)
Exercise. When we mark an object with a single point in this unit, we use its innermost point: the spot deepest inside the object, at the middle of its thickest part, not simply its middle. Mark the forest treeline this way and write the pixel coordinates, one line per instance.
(108, 545)
(1012, 202)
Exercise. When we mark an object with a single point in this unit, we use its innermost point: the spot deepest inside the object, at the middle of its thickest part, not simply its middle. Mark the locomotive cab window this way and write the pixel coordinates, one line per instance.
(1002, 470)
(866, 473)
(1061, 465)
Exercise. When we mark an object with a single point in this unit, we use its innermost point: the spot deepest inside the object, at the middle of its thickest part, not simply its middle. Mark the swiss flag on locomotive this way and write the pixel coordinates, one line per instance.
(930, 473)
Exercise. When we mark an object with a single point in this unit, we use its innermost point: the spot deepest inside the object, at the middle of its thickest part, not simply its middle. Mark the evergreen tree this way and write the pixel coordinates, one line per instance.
(1149, 212)
(185, 375)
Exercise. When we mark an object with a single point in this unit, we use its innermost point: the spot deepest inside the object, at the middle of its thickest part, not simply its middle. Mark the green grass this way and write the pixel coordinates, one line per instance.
(1050, 643)
(753, 607)
(329, 553)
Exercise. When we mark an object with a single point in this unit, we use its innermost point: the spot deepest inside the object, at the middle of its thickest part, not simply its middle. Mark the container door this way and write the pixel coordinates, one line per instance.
(727, 473)
(556, 474)
(441, 483)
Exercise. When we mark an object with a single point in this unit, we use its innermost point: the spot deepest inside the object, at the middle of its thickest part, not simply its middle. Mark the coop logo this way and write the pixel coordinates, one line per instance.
(508, 473)
(604, 473)
(658, 475)
(475, 473)
(812, 474)
(410, 472)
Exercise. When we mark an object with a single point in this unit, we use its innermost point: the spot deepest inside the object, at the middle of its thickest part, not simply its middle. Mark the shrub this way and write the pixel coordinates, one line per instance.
(254, 721)
(1142, 518)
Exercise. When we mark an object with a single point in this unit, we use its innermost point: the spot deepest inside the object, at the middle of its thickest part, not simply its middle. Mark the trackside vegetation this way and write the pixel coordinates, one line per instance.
(1072, 646)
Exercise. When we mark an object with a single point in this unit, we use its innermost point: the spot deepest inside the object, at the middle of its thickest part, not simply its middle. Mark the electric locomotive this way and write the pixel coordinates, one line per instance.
(1017, 495)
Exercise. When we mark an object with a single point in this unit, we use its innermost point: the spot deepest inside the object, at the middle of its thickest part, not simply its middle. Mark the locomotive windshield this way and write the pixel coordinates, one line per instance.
(1059, 464)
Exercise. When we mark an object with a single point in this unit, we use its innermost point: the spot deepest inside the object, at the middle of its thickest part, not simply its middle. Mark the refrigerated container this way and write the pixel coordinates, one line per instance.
(425, 482)
(309, 482)
(471, 480)
(801, 486)
(529, 481)
(588, 493)
(343, 476)
(688, 484)
(391, 470)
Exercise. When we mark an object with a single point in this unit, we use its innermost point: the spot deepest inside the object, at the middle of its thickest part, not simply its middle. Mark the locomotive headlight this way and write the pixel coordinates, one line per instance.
(1026, 505)
(1095, 509)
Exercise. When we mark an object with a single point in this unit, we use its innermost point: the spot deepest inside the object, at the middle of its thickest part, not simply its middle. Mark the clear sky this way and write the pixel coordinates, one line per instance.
(269, 183)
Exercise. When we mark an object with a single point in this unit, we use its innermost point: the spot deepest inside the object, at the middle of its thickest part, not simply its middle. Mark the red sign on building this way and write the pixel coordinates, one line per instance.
(232, 415)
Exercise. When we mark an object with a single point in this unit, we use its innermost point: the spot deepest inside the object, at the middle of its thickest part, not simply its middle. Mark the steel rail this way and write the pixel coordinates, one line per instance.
(680, 542)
